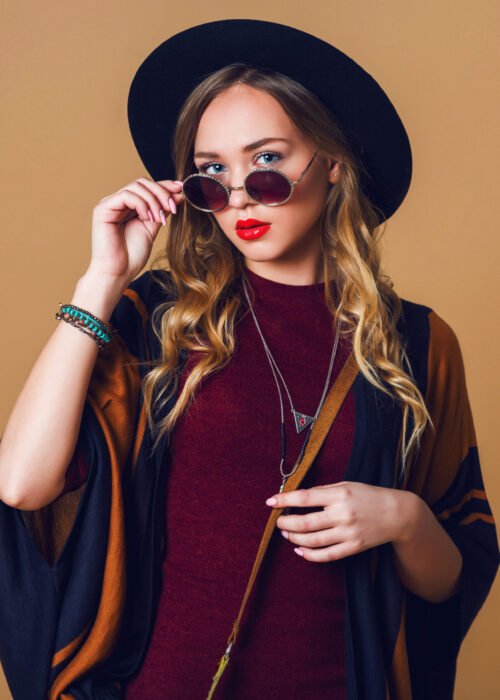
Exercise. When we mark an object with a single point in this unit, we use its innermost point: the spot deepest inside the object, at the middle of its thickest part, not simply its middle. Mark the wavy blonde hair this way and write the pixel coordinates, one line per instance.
(204, 267)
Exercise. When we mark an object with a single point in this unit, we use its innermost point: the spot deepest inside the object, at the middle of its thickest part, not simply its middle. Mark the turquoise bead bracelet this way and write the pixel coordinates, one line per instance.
(86, 322)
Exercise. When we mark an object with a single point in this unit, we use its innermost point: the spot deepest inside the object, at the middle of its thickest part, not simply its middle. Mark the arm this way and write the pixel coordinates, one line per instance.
(50, 405)
(427, 560)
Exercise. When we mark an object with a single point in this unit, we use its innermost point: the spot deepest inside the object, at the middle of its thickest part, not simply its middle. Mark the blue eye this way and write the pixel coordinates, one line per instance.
(205, 167)
(270, 153)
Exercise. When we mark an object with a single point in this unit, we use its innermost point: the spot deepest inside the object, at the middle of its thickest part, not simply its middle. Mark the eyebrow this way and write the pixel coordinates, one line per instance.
(246, 149)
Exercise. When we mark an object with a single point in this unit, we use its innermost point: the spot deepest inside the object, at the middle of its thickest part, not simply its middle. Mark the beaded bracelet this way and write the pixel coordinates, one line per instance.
(99, 330)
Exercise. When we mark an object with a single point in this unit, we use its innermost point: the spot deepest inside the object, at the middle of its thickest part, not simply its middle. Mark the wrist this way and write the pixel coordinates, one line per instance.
(98, 294)
(407, 509)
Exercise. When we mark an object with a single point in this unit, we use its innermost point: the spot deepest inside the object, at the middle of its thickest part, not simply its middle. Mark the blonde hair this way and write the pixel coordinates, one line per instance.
(204, 267)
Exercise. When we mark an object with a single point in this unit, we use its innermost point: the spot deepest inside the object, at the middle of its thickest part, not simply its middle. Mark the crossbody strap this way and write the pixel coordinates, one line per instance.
(319, 431)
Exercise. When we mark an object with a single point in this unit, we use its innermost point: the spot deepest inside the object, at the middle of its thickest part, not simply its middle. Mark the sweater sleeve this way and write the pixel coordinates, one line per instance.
(447, 475)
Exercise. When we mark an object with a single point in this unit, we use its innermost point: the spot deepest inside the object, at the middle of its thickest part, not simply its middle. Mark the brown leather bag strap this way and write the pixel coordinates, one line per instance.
(319, 431)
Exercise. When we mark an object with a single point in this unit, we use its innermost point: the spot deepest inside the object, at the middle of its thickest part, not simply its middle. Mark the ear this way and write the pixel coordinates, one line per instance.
(333, 170)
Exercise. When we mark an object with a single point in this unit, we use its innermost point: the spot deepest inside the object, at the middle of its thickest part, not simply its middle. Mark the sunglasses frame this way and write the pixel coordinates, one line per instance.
(228, 190)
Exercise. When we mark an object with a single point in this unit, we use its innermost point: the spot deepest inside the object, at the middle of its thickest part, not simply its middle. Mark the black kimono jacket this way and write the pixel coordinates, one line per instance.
(80, 579)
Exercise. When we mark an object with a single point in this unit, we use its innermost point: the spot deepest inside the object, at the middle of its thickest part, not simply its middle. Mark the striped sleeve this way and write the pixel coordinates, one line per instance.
(447, 475)
(63, 566)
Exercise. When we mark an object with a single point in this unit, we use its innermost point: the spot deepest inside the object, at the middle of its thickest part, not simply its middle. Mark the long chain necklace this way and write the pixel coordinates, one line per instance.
(301, 420)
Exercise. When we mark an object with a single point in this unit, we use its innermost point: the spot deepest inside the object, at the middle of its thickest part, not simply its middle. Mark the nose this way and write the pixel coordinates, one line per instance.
(238, 198)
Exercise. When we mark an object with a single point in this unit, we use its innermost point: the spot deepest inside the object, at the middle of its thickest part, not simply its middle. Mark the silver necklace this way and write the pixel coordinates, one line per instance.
(301, 420)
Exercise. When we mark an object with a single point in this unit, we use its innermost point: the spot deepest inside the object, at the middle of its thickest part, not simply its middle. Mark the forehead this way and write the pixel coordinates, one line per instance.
(240, 115)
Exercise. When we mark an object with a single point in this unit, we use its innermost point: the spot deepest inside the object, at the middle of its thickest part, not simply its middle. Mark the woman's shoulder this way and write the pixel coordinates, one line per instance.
(431, 342)
(420, 321)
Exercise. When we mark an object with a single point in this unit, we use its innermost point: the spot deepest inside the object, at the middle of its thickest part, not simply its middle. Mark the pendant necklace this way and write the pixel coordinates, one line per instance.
(301, 420)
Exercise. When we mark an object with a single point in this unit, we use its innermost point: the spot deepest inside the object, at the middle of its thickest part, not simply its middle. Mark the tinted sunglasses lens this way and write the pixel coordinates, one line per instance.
(205, 193)
(268, 187)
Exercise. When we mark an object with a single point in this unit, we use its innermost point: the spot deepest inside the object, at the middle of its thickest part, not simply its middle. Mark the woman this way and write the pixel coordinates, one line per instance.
(149, 500)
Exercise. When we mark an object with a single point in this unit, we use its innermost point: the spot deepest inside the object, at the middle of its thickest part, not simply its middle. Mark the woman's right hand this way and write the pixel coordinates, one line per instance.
(122, 230)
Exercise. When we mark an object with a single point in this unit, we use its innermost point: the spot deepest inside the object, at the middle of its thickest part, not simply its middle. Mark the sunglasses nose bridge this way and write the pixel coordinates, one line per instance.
(244, 196)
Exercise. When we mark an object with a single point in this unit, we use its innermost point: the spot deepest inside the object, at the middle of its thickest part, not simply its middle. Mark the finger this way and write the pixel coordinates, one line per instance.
(304, 498)
(308, 522)
(172, 185)
(126, 199)
(164, 189)
(157, 201)
(173, 188)
(327, 486)
(321, 538)
(326, 554)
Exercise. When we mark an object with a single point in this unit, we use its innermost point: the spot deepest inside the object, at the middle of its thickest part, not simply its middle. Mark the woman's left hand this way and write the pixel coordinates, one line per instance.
(356, 516)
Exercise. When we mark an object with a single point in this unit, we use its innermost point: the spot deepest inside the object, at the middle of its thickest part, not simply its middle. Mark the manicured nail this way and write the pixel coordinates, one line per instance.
(151, 215)
(285, 534)
(271, 501)
(297, 551)
(162, 217)
(178, 182)
(172, 206)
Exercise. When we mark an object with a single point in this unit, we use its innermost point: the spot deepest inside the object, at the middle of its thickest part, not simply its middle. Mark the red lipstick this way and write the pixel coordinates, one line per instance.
(248, 229)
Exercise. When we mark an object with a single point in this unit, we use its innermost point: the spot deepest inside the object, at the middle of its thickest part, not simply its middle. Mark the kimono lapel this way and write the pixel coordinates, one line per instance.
(372, 592)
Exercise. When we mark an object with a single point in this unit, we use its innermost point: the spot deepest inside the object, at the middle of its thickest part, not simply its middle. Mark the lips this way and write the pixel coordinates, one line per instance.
(250, 223)
(252, 232)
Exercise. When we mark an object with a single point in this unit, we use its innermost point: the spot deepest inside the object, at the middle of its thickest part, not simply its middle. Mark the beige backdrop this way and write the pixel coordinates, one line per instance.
(66, 72)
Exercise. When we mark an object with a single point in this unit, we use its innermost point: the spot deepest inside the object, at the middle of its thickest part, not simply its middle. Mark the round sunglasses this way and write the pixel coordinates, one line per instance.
(269, 187)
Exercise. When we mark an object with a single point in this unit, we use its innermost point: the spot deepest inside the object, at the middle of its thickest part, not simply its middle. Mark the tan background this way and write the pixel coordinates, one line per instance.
(66, 72)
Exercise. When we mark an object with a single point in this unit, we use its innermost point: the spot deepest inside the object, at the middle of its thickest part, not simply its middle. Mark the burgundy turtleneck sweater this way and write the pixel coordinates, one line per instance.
(224, 464)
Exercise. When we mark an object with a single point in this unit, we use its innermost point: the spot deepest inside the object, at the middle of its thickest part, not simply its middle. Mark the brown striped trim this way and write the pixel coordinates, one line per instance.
(477, 516)
(473, 493)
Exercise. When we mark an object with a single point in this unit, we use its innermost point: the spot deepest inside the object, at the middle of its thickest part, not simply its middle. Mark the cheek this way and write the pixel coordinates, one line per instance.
(225, 223)
(304, 208)
(311, 194)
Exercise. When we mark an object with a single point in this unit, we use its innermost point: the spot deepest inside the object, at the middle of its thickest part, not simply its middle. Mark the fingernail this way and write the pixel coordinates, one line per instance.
(297, 551)
(162, 217)
(151, 217)
(172, 206)
(271, 501)
(285, 534)
(178, 182)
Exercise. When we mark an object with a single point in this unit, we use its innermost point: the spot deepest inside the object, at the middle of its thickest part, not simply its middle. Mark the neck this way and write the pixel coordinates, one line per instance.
(304, 273)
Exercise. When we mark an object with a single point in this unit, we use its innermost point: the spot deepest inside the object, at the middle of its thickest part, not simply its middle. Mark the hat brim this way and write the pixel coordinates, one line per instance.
(362, 109)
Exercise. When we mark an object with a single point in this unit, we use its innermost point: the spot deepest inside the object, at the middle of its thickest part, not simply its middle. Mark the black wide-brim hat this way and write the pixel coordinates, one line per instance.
(360, 106)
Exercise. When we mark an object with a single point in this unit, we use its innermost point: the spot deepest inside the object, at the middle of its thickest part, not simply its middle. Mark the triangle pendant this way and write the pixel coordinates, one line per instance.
(301, 420)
